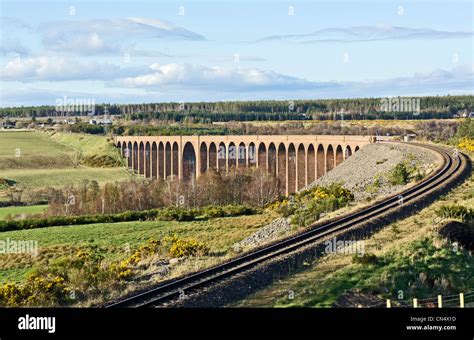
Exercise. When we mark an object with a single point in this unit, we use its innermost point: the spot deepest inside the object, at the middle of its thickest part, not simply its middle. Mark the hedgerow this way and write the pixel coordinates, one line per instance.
(164, 214)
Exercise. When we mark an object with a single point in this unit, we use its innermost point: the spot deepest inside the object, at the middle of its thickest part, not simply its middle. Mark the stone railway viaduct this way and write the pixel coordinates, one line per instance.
(297, 160)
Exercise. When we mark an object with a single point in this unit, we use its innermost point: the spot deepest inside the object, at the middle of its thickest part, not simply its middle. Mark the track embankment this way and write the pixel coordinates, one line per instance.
(237, 278)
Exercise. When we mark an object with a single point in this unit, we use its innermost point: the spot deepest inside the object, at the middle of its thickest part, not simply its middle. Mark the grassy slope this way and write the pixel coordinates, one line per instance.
(412, 258)
(34, 150)
(53, 160)
(54, 242)
(87, 145)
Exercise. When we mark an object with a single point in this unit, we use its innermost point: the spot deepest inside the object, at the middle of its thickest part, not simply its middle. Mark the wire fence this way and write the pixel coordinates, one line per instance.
(460, 300)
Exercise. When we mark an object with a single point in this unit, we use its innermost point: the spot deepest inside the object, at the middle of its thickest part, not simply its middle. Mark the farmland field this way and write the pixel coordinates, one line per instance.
(115, 238)
(34, 160)
(33, 209)
(32, 150)
(37, 178)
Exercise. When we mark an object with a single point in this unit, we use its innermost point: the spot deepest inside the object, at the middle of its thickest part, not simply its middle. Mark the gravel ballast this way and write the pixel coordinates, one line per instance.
(375, 161)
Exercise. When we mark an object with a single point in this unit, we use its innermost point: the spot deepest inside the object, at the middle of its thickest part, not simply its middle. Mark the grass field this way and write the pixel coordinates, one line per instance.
(34, 160)
(24, 149)
(115, 238)
(411, 258)
(38, 178)
(87, 145)
(32, 209)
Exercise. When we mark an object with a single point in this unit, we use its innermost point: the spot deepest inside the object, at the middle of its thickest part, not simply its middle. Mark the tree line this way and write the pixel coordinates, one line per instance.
(262, 110)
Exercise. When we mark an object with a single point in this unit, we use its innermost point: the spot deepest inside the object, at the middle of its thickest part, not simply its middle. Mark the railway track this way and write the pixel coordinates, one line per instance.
(171, 291)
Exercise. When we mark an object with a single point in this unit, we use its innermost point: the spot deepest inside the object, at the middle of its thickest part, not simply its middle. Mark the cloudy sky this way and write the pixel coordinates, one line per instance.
(154, 51)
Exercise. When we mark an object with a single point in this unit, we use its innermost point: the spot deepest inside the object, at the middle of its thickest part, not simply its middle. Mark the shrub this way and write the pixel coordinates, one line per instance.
(176, 214)
(308, 205)
(456, 212)
(399, 175)
(101, 161)
(36, 291)
(466, 144)
(212, 212)
(125, 269)
(365, 259)
(238, 210)
(184, 248)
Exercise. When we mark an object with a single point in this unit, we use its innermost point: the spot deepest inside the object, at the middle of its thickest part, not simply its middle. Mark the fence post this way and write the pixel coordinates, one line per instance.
(389, 305)
(415, 303)
(440, 301)
(461, 300)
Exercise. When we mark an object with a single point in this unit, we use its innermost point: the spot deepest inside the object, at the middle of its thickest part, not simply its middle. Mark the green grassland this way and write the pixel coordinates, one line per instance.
(88, 145)
(27, 210)
(38, 178)
(34, 160)
(25, 149)
(115, 238)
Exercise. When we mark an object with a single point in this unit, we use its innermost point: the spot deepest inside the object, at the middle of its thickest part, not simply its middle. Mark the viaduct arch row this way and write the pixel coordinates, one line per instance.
(297, 160)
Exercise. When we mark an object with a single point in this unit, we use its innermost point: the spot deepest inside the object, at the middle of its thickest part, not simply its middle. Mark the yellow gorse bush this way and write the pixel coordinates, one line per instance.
(36, 291)
(124, 269)
(466, 144)
(320, 193)
(183, 248)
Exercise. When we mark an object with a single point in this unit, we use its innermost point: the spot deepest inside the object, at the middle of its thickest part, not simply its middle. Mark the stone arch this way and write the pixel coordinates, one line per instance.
(154, 160)
(231, 156)
(292, 176)
(189, 162)
(252, 155)
(141, 159)
(347, 152)
(175, 160)
(167, 160)
(120, 147)
(212, 156)
(123, 149)
(329, 158)
(281, 166)
(147, 160)
(130, 154)
(135, 156)
(203, 157)
(320, 161)
(272, 159)
(161, 160)
(311, 165)
(222, 157)
(339, 155)
(262, 156)
(301, 167)
(242, 156)
(356, 148)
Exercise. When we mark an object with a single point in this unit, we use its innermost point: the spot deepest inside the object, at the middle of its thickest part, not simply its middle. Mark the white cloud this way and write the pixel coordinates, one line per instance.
(51, 68)
(215, 78)
(182, 77)
(208, 83)
(367, 33)
(101, 36)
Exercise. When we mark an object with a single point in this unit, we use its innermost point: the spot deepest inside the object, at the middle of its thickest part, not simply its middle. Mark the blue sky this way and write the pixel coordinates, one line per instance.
(154, 51)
